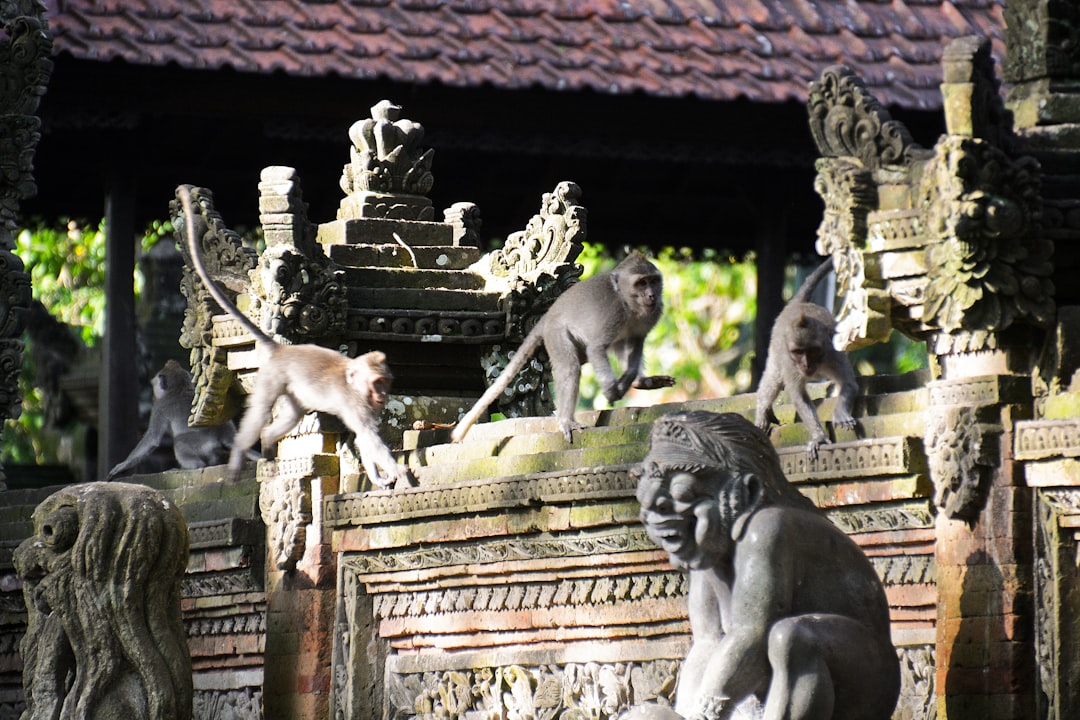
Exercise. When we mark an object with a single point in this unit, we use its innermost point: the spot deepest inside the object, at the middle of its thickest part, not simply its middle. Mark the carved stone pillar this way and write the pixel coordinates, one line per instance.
(946, 245)
(25, 47)
(1042, 67)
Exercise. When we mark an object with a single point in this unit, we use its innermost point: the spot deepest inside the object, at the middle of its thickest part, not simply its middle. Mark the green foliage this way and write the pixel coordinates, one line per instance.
(66, 263)
(67, 273)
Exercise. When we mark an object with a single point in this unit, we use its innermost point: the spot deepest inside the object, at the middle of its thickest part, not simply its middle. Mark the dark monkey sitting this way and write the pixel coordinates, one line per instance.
(801, 349)
(306, 378)
(612, 311)
(194, 447)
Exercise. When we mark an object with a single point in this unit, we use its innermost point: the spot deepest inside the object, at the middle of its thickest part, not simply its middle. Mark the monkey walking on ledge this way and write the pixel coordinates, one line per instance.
(801, 349)
(306, 378)
(612, 311)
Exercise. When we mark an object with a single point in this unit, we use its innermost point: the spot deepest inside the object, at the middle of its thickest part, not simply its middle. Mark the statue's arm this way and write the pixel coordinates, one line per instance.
(761, 594)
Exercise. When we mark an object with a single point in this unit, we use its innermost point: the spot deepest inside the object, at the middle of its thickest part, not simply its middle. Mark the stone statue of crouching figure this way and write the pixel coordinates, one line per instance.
(783, 606)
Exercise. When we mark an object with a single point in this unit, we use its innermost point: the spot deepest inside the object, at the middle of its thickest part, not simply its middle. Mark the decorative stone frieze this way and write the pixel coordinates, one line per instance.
(849, 460)
(566, 690)
(478, 496)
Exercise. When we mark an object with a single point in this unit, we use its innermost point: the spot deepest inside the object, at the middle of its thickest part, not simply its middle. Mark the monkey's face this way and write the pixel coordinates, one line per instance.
(647, 292)
(806, 359)
(379, 391)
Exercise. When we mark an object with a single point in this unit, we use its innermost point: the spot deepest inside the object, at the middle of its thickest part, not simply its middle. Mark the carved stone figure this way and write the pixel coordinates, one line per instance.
(101, 580)
(784, 607)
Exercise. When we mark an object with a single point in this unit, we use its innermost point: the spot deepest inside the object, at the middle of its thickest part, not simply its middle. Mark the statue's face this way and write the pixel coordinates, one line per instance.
(681, 513)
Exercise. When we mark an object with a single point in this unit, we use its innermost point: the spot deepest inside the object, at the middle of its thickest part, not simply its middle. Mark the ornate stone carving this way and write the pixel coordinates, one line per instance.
(847, 121)
(976, 262)
(581, 592)
(102, 575)
(961, 460)
(381, 324)
(1042, 439)
(600, 691)
(918, 668)
(861, 458)
(850, 195)
(229, 582)
(1056, 588)
(25, 50)
(528, 395)
(713, 496)
(908, 516)
(988, 265)
(389, 175)
(229, 263)
(251, 623)
(285, 504)
(295, 292)
(241, 704)
(501, 550)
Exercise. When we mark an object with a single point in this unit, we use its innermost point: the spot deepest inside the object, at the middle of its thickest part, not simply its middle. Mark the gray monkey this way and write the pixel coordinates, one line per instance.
(609, 312)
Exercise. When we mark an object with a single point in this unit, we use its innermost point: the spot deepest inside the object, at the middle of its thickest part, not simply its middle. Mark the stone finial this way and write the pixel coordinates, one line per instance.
(101, 580)
(389, 175)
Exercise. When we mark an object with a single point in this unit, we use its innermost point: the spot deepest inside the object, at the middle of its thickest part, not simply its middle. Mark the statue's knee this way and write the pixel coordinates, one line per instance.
(790, 641)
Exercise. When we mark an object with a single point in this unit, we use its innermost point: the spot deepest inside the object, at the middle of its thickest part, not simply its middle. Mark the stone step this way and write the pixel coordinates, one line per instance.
(490, 447)
(360, 231)
(531, 463)
(525, 436)
(412, 278)
(439, 257)
(430, 299)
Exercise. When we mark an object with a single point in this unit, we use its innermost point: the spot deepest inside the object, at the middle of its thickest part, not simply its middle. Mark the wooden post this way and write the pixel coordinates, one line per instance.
(118, 397)
(771, 242)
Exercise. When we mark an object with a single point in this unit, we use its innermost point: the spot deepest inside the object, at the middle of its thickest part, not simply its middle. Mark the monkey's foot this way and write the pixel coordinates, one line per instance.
(813, 445)
(765, 418)
(654, 382)
(844, 421)
(568, 427)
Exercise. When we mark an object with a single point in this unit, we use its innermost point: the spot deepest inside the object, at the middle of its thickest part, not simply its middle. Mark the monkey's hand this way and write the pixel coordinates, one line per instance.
(812, 448)
(654, 382)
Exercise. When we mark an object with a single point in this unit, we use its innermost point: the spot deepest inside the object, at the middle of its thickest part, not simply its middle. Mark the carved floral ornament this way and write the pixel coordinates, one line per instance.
(847, 121)
(960, 463)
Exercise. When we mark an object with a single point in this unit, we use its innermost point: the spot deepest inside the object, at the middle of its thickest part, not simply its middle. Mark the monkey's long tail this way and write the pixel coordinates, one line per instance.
(807, 288)
(528, 348)
(184, 191)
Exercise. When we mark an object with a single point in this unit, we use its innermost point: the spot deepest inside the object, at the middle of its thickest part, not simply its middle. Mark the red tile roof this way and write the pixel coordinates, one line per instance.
(764, 50)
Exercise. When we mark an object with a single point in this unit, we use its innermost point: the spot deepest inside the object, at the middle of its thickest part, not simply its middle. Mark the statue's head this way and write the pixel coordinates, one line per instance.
(101, 579)
(705, 475)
